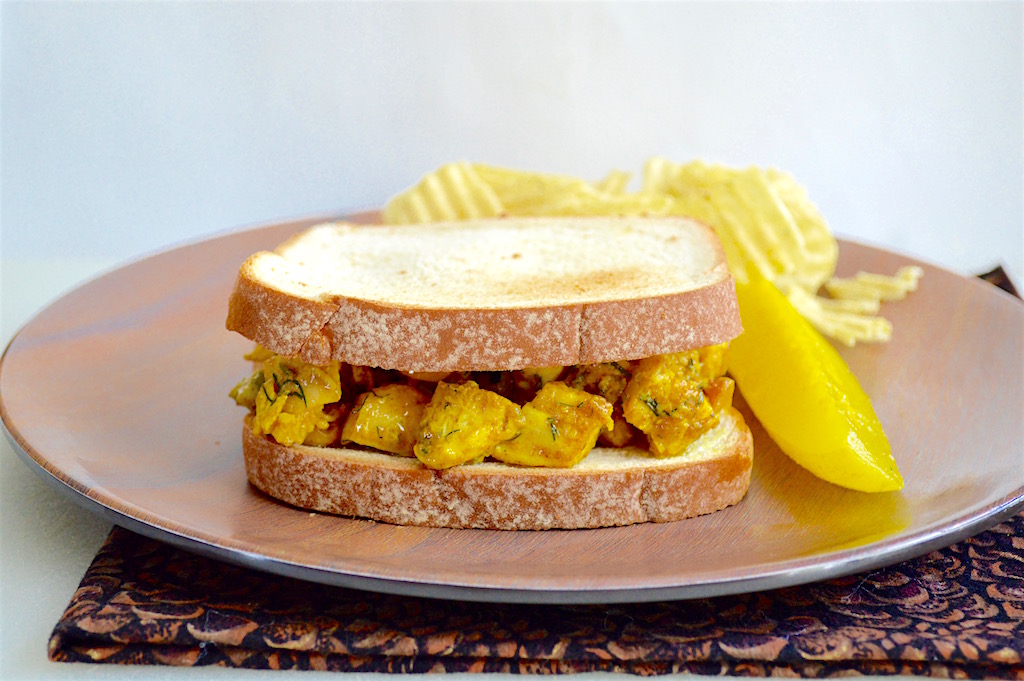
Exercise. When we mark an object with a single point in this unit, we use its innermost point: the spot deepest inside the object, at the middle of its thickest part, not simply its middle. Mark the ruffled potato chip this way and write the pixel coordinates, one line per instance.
(452, 192)
(768, 225)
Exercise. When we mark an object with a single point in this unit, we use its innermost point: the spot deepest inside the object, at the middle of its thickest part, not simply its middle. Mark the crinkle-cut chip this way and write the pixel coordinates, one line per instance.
(770, 229)
(766, 222)
(867, 286)
(452, 192)
(821, 247)
(768, 226)
(693, 187)
(538, 194)
(614, 182)
(591, 202)
(519, 189)
(841, 321)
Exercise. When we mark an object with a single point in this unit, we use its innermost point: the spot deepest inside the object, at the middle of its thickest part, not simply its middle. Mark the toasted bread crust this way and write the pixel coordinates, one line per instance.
(272, 318)
(609, 488)
(300, 320)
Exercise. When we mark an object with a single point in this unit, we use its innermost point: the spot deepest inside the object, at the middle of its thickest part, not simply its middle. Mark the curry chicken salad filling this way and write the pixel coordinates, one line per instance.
(550, 416)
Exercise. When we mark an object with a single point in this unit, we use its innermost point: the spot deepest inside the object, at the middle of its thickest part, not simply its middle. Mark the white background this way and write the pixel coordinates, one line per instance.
(127, 127)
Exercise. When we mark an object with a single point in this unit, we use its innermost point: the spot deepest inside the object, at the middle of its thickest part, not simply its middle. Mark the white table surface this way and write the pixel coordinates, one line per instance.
(46, 539)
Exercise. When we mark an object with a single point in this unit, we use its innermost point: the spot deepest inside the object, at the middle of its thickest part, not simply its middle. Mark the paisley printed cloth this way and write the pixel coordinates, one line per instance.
(957, 612)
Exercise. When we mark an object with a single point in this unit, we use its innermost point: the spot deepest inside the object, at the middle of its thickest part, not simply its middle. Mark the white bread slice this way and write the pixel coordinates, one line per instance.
(609, 487)
(494, 294)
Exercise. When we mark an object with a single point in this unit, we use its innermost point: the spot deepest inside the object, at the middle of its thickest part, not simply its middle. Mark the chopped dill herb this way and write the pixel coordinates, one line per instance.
(621, 369)
(278, 384)
(300, 392)
(554, 428)
(656, 408)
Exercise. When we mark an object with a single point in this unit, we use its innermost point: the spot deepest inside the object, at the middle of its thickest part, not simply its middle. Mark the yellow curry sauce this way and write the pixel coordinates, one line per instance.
(550, 416)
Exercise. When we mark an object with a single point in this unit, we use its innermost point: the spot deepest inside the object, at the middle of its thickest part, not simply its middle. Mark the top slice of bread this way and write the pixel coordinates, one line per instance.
(495, 294)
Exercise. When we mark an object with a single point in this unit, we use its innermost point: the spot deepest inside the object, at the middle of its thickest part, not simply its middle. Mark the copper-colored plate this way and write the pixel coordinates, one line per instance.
(117, 393)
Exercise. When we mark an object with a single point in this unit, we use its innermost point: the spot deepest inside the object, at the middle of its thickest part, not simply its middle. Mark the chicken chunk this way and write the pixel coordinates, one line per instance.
(607, 379)
(561, 427)
(463, 423)
(290, 397)
(665, 401)
(386, 418)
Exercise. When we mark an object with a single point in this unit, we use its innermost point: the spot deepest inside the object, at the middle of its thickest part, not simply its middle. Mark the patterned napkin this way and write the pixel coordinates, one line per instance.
(957, 612)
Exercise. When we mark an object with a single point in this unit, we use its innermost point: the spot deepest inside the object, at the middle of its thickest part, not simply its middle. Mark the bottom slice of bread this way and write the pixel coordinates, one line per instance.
(609, 487)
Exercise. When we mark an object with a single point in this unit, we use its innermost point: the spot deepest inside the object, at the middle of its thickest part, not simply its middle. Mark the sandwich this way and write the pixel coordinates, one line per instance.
(504, 373)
